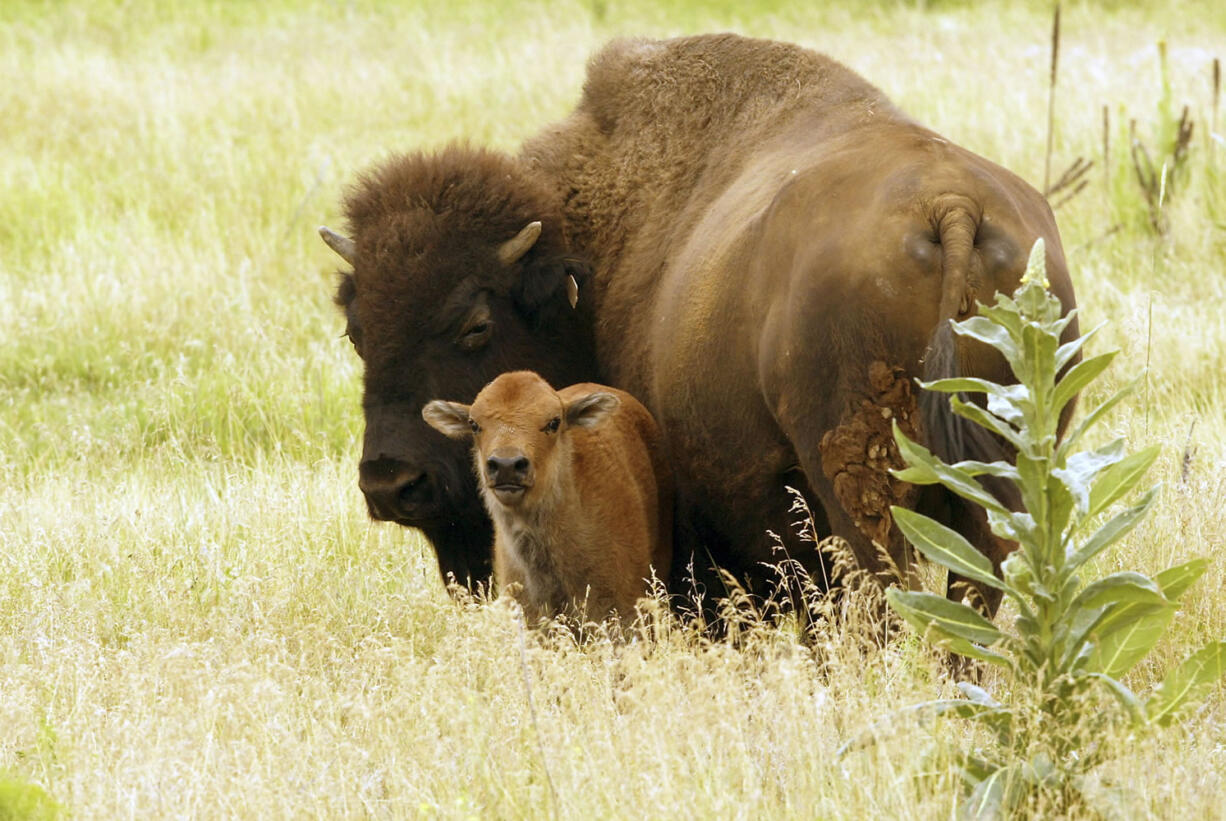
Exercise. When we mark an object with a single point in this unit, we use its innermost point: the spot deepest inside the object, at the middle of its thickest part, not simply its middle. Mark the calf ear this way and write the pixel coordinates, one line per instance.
(589, 410)
(547, 286)
(448, 418)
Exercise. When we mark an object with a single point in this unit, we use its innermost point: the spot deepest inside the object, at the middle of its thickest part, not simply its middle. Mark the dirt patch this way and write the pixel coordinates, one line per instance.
(858, 453)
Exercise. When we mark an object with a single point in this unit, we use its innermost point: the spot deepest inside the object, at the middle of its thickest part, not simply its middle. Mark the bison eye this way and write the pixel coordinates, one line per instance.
(552, 425)
(475, 427)
(476, 336)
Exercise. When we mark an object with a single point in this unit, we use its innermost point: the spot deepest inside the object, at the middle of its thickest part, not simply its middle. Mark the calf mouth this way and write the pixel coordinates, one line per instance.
(509, 493)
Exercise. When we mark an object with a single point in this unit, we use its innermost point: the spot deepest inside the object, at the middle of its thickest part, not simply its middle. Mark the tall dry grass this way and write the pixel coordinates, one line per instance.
(197, 620)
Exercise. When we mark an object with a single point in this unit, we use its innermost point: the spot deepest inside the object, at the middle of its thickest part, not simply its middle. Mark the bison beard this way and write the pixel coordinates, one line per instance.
(776, 253)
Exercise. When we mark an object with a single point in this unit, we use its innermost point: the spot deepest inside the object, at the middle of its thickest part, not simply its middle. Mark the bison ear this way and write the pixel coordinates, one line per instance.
(549, 286)
(587, 411)
(448, 418)
(346, 290)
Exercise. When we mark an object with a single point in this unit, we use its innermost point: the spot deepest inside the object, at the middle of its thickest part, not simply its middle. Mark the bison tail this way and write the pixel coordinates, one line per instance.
(952, 437)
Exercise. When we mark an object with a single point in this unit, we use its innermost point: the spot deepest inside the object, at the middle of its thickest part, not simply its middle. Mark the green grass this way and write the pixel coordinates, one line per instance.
(196, 618)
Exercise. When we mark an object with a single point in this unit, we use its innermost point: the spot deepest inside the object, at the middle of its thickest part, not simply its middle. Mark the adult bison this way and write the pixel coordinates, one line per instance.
(776, 254)
(460, 272)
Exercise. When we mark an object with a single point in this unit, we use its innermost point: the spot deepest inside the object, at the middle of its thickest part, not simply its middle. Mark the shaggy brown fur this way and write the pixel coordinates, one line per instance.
(771, 235)
(777, 252)
(580, 497)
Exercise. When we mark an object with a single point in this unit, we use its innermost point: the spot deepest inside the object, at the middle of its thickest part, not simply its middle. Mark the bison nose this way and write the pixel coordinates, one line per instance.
(396, 490)
(507, 470)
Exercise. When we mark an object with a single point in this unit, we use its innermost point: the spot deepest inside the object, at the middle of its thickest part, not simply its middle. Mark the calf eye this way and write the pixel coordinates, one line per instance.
(552, 425)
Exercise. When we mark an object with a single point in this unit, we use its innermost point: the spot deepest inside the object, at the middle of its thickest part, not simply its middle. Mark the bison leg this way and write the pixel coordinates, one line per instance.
(849, 468)
(466, 558)
(972, 523)
(717, 549)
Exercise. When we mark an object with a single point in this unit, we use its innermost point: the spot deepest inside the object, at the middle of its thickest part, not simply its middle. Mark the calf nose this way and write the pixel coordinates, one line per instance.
(396, 490)
(507, 469)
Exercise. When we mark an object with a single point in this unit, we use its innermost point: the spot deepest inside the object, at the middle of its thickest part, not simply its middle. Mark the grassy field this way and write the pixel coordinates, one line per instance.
(196, 617)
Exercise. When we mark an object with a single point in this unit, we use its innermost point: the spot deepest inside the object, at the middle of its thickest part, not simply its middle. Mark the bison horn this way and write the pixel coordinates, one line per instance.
(518, 245)
(572, 290)
(338, 243)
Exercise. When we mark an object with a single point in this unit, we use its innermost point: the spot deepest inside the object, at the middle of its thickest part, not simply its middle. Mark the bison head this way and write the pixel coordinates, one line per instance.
(460, 272)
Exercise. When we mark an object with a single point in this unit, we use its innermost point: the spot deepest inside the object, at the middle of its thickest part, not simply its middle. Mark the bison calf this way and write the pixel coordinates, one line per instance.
(579, 494)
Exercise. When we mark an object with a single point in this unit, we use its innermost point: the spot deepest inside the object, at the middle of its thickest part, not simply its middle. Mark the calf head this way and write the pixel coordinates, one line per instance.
(460, 271)
(520, 430)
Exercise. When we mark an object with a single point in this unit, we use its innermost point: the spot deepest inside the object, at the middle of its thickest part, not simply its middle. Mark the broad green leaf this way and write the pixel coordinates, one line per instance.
(999, 720)
(935, 635)
(1004, 312)
(997, 717)
(1001, 470)
(1058, 326)
(1060, 511)
(1093, 416)
(987, 799)
(924, 468)
(1013, 404)
(1125, 586)
(945, 547)
(1175, 580)
(1126, 635)
(1039, 348)
(1068, 351)
(1127, 699)
(978, 695)
(1009, 402)
(1187, 683)
(1078, 376)
(972, 768)
(984, 419)
(989, 333)
(1078, 474)
(1122, 615)
(1111, 532)
(926, 611)
(1033, 650)
(1071, 632)
(1120, 478)
(997, 795)
(1017, 571)
(1040, 769)
(962, 647)
(1033, 484)
(1016, 527)
(961, 384)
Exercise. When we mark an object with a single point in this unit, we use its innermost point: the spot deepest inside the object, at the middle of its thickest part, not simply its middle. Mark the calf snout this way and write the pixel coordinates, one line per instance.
(508, 468)
(508, 473)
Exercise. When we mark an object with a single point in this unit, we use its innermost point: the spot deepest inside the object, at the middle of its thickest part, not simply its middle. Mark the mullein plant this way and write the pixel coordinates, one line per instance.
(1074, 635)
